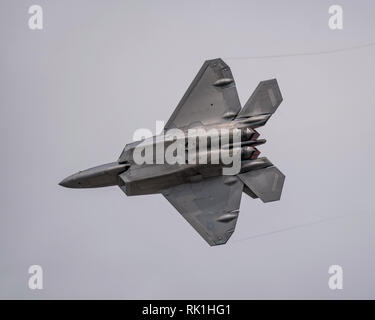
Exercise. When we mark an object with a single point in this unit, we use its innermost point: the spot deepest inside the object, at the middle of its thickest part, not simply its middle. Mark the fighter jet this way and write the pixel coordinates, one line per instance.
(208, 199)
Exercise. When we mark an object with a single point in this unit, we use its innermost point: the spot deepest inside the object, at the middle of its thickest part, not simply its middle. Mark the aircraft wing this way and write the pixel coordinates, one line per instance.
(211, 206)
(211, 98)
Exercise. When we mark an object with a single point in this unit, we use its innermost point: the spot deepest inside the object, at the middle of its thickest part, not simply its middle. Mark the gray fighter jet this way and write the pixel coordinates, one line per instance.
(204, 196)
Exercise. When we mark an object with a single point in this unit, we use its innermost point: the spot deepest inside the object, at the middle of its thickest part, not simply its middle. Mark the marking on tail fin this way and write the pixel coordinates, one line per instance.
(276, 178)
(272, 97)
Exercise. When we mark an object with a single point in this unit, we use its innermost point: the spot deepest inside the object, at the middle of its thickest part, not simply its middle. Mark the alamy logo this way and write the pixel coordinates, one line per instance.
(335, 21)
(36, 279)
(335, 281)
(36, 18)
(192, 146)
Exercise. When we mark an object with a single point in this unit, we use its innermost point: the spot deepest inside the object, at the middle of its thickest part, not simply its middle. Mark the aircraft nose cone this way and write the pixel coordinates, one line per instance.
(67, 182)
(100, 176)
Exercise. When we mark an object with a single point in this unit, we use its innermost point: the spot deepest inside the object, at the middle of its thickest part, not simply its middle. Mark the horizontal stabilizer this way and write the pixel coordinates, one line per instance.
(266, 183)
(264, 100)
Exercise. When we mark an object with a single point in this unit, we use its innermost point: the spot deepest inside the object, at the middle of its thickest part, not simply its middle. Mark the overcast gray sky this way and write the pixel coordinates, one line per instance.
(73, 93)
